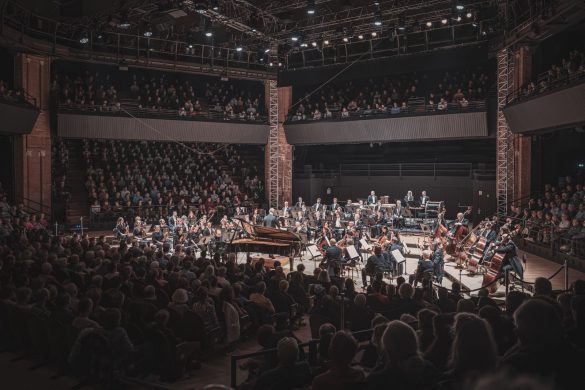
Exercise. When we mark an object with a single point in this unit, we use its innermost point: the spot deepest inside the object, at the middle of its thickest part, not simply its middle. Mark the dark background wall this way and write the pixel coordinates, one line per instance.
(552, 50)
(7, 164)
(455, 191)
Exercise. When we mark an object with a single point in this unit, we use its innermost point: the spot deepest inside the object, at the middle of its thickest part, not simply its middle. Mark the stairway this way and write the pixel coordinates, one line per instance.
(77, 206)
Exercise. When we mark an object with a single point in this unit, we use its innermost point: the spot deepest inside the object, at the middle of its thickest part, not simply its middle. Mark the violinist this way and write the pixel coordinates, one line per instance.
(380, 221)
(318, 221)
(299, 228)
(300, 217)
(157, 236)
(121, 230)
(385, 235)
(335, 205)
(138, 232)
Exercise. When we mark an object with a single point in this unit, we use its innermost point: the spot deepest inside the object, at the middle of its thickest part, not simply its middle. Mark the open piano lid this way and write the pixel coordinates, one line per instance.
(267, 233)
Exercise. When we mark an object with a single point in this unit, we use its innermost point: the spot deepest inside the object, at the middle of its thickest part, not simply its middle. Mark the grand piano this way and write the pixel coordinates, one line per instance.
(262, 239)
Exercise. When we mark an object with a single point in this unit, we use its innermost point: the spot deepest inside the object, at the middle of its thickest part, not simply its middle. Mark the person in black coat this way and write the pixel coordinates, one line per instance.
(270, 220)
(511, 260)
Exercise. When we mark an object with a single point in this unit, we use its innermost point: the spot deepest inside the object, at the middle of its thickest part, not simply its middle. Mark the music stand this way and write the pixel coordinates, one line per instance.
(353, 255)
(314, 252)
(399, 259)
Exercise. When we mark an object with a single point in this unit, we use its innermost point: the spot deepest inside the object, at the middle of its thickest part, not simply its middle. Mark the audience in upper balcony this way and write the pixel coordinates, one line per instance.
(571, 65)
(10, 95)
(160, 93)
(401, 93)
(143, 178)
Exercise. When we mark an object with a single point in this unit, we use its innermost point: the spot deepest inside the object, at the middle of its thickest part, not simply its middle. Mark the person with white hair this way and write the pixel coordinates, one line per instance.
(404, 363)
(270, 219)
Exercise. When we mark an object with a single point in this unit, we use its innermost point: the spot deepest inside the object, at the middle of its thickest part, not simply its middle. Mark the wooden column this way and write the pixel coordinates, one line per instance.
(523, 143)
(32, 152)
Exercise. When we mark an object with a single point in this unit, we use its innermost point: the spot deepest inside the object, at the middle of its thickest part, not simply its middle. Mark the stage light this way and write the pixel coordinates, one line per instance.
(147, 31)
(374, 34)
(314, 44)
(311, 7)
(294, 38)
(360, 36)
(84, 38)
(304, 44)
(239, 47)
(209, 33)
(429, 24)
(124, 22)
(326, 42)
(377, 22)
(280, 64)
(267, 50)
(459, 6)
(345, 39)
(469, 15)
(214, 5)
(458, 18)
(444, 21)
(271, 64)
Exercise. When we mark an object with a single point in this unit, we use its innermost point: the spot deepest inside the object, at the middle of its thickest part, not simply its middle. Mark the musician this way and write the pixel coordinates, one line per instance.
(438, 260)
(335, 205)
(460, 221)
(379, 221)
(299, 228)
(138, 230)
(423, 199)
(173, 221)
(157, 236)
(348, 214)
(378, 206)
(300, 217)
(318, 206)
(375, 263)
(425, 268)
(398, 214)
(286, 208)
(332, 256)
(395, 245)
(409, 199)
(357, 221)
(270, 220)
(216, 242)
(121, 230)
(256, 217)
(299, 203)
(207, 230)
(372, 198)
(317, 220)
(511, 260)
(239, 213)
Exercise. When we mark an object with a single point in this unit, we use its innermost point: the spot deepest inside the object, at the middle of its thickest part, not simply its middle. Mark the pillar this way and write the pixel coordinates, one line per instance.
(32, 152)
(523, 143)
(278, 152)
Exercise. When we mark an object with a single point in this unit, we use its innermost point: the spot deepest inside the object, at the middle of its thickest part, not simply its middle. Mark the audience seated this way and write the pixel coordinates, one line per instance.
(573, 65)
(555, 218)
(152, 179)
(399, 94)
(158, 93)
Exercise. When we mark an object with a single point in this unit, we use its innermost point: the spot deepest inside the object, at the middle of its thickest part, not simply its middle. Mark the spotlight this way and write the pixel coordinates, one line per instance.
(267, 50)
(271, 64)
(239, 47)
(294, 38)
(326, 42)
(311, 7)
(459, 6)
(360, 36)
(469, 15)
(208, 28)
(304, 44)
(444, 21)
(458, 18)
(345, 39)
(209, 33)
(377, 22)
(124, 22)
(147, 31)
(314, 44)
(84, 38)
(214, 5)
(429, 24)
(374, 34)
(280, 64)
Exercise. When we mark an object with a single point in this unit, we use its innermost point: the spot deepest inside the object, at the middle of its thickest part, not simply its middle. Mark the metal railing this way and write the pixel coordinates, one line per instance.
(126, 111)
(544, 84)
(115, 47)
(425, 109)
(402, 169)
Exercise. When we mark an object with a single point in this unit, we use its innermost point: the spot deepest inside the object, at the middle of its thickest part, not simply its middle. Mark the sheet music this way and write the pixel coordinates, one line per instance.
(365, 245)
(352, 252)
(398, 255)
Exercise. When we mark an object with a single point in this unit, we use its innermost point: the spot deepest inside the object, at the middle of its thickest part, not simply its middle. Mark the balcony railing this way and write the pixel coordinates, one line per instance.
(407, 169)
(544, 84)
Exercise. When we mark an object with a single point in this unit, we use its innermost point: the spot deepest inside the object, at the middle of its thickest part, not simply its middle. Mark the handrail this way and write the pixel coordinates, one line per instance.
(204, 115)
(521, 93)
(337, 114)
(127, 46)
(397, 169)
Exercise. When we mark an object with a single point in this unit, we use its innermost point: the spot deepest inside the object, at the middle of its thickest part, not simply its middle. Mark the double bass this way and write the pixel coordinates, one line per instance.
(460, 232)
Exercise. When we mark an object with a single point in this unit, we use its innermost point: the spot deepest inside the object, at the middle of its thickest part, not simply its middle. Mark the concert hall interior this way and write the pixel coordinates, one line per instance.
(288, 195)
